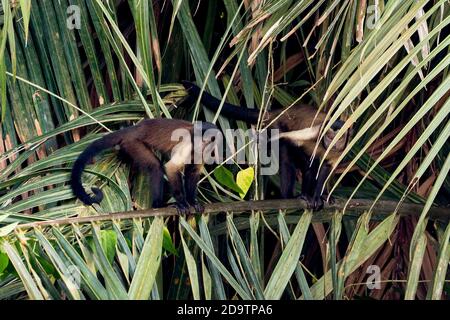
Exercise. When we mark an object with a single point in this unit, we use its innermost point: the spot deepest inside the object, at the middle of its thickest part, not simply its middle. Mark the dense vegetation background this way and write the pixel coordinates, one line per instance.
(72, 70)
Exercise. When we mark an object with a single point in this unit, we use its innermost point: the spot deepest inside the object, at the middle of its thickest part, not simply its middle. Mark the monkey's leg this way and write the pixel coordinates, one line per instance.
(287, 173)
(157, 180)
(301, 162)
(308, 184)
(317, 201)
(174, 176)
(191, 178)
(309, 171)
(146, 160)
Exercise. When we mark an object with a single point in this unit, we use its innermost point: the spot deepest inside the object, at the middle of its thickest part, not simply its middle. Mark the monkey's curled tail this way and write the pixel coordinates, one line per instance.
(229, 110)
(106, 142)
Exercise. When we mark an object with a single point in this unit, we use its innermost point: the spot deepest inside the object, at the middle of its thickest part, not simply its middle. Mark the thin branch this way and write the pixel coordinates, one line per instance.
(356, 206)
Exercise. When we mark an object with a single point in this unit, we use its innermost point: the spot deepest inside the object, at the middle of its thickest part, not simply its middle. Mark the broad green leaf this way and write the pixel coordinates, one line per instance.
(109, 242)
(244, 180)
(225, 177)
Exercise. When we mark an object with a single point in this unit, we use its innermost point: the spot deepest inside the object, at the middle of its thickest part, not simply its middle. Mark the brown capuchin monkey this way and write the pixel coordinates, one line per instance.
(140, 142)
(298, 137)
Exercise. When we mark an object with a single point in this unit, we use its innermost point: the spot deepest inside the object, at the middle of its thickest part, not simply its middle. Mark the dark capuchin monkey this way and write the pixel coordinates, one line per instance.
(299, 128)
(140, 142)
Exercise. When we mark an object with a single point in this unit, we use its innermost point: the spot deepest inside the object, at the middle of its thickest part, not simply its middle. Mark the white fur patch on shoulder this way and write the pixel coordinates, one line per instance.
(300, 136)
(181, 155)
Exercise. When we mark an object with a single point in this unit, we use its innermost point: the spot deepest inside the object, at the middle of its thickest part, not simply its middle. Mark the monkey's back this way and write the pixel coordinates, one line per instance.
(160, 134)
(295, 118)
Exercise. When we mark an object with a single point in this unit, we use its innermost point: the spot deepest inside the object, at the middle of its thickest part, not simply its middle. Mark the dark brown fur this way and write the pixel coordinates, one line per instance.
(296, 147)
(139, 143)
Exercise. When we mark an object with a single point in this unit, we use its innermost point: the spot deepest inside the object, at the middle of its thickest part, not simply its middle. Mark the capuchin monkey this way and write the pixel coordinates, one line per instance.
(140, 142)
(297, 143)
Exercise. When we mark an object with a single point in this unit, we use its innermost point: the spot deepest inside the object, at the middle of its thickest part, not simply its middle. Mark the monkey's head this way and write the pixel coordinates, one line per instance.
(341, 144)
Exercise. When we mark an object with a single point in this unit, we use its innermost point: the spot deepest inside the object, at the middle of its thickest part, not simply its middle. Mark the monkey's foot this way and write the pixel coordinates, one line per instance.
(158, 204)
(199, 208)
(182, 208)
(331, 199)
(314, 203)
(303, 196)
